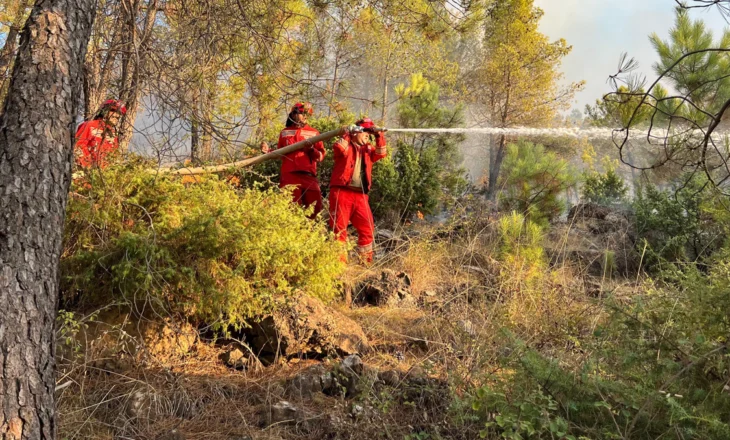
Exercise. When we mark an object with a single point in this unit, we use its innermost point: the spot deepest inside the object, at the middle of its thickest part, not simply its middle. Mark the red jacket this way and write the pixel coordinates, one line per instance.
(304, 160)
(92, 148)
(345, 152)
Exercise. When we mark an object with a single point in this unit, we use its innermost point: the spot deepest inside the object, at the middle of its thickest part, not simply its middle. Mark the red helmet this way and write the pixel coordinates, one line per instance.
(303, 108)
(365, 123)
(113, 105)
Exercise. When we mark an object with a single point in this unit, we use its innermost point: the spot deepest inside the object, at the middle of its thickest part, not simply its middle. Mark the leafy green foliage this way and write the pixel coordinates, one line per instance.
(621, 109)
(604, 188)
(702, 76)
(657, 365)
(423, 173)
(520, 241)
(678, 226)
(534, 415)
(533, 180)
(194, 246)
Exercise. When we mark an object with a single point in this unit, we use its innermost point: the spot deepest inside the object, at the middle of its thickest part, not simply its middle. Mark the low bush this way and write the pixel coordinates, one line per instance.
(191, 245)
(533, 180)
(680, 225)
(607, 188)
(655, 366)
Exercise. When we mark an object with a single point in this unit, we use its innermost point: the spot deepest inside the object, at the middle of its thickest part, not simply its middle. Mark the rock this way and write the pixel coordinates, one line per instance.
(357, 411)
(234, 358)
(387, 289)
(588, 211)
(138, 404)
(467, 327)
(307, 328)
(389, 241)
(168, 338)
(129, 339)
(347, 377)
(417, 375)
(389, 377)
(310, 381)
(281, 412)
(173, 435)
(353, 364)
(599, 240)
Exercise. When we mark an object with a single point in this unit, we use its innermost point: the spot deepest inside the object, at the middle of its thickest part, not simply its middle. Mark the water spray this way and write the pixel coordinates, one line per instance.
(574, 132)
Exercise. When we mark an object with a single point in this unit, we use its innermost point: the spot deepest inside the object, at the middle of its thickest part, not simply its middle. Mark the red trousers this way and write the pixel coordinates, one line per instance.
(347, 206)
(306, 191)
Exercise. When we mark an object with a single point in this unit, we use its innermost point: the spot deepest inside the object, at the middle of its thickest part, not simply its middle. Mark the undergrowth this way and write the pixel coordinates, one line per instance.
(192, 245)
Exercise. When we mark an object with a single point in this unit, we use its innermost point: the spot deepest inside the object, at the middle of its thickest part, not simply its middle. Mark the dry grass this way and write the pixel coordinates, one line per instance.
(453, 335)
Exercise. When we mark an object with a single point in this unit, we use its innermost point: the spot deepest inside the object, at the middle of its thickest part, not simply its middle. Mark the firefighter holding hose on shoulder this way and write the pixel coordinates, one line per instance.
(299, 168)
(96, 139)
(351, 181)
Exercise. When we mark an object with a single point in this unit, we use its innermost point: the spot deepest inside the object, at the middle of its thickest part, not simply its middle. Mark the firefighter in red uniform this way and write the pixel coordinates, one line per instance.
(96, 139)
(351, 181)
(299, 168)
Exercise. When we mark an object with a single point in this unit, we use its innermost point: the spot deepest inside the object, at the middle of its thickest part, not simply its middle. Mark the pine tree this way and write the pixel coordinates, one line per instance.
(515, 80)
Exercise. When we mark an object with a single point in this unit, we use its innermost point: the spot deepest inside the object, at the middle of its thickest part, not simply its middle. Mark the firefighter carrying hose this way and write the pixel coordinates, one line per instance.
(351, 181)
(96, 139)
(299, 168)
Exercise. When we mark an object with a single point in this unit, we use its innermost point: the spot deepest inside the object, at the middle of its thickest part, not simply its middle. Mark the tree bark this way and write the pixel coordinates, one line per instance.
(496, 157)
(135, 66)
(11, 40)
(36, 151)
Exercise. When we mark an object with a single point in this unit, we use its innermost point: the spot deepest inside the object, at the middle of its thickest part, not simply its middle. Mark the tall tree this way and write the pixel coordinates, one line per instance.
(12, 17)
(696, 66)
(514, 80)
(701, 77)
(36, 150)
(396, 39)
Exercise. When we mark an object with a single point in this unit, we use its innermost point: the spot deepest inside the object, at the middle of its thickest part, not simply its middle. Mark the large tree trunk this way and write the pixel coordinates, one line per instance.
(496, 157)
(36, 151)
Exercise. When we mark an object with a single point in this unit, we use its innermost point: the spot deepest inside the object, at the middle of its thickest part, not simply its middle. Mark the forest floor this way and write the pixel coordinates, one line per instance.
(430, 343)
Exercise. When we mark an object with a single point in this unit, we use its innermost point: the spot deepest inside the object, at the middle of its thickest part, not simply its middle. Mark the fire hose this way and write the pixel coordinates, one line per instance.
(276, 154)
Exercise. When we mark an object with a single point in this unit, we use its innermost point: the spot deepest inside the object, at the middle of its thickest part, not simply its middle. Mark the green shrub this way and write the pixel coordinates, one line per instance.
(533, 180)
(406, 183)
(657, 366)
(191, 245)
(604, 188)
(423, 173)
(533, 415)
(679, 226)
(521, 240)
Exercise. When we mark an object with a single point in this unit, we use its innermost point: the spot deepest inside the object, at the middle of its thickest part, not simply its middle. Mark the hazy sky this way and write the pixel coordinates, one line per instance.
(600, 30)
